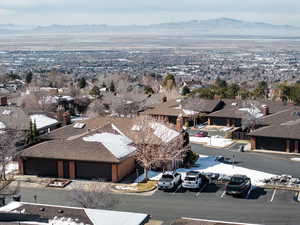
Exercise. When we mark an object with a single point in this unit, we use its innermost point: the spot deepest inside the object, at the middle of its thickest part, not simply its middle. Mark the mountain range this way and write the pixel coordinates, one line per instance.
(219, 26)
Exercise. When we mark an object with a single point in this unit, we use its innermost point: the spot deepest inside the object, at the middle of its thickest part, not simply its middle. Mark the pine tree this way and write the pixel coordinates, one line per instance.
(35, 132)
(28, 77)
(112, 87)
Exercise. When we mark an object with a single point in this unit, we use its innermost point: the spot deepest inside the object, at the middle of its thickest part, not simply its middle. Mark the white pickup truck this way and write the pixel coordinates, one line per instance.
(169, 180)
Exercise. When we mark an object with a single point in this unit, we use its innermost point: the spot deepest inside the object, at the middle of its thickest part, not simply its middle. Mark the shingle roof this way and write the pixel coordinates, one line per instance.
(284, 124)
(172, 108)
(67, 142)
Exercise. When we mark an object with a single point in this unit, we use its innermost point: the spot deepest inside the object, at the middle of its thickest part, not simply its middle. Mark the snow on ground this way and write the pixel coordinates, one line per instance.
(10, 167)
(118, 145)
(212, 141)
(207, 164)
(42, 120)
(295, 159)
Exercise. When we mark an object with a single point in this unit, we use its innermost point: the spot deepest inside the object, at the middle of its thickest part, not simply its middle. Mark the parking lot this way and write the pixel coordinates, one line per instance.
(217, 192)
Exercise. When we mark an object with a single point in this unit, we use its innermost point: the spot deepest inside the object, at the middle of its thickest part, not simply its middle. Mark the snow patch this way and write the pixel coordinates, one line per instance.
(11, 206)
(164, 133)
(189, 112)
(42, 121)
(212, 141)
(208, 164)
(118, 145)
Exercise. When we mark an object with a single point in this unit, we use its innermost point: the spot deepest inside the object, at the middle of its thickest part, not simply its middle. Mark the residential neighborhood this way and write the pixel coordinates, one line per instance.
(149, 112)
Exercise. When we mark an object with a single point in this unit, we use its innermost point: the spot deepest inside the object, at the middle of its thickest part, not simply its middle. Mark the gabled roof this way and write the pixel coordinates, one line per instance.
(85, 147)
(174, 108)
(284, 124)
(103, 139)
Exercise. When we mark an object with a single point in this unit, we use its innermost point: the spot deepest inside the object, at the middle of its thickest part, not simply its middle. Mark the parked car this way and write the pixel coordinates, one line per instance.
(169, 180)
(201, 134)
(192, 180)
(239, 185)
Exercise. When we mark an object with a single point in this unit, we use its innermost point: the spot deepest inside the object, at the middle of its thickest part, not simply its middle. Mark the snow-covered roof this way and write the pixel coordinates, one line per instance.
(117, 144)
(189, 112)
(2, 125)
(96, 216)
(106, 217)
(163, 132)
(42, 121)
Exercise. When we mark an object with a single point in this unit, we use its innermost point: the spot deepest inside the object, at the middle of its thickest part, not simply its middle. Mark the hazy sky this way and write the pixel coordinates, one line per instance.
(44, 12)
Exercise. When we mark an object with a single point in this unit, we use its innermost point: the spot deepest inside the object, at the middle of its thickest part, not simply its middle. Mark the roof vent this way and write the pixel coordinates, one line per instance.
(42, 209)
(79, 125)
(234, 104)
(60, 211)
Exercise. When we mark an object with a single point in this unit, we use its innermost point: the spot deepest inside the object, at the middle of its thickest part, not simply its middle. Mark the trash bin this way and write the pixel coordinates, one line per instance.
(16, 198)
(2, 200)
(242, 148)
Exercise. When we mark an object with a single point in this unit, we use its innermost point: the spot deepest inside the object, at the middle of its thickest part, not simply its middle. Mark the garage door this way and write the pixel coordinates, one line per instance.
(40, 167)
(275, 144)
(93, 170)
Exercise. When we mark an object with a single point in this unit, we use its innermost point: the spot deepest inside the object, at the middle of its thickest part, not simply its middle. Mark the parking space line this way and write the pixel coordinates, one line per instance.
(249, 192)
(273, 195)
(204, 186)
(198, 193)
(223, 194)
(178, 187)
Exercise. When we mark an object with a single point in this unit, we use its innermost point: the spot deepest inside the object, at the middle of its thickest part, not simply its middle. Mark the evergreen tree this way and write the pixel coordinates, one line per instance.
(82, 83)
(35, 132)
(112, 87)
(95, 91)
(185, 90)
(28, 77)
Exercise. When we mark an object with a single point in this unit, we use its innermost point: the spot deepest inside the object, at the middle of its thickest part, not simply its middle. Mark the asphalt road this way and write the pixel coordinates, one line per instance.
(260, 206)
(270, 163)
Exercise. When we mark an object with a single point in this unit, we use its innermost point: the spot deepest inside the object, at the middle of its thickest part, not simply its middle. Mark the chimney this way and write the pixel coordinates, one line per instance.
(238, 97)
(217, 97)
(164, 99)
(266, 110)
(179, 123)
(3, 101)
(66, 118)
(60, 113)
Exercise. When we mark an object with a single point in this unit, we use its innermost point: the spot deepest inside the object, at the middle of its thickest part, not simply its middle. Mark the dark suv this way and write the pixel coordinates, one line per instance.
(239, 185)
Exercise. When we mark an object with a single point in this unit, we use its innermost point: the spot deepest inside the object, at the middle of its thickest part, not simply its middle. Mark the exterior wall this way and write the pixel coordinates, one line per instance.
(125, 168)
(222, 121)
(40, 167)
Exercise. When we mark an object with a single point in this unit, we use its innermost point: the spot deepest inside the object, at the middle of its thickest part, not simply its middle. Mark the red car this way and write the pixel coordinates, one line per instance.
(201, 134)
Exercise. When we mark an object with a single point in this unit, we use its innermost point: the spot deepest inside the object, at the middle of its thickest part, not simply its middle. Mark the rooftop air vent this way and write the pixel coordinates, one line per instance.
(234, 104)
(79, 125)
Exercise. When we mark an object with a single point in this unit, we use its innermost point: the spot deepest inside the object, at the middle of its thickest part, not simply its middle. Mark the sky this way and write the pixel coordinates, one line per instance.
(123, 12)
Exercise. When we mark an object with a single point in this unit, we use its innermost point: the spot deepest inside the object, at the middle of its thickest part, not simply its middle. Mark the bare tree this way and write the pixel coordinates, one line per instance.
(93, 195)
(250, 114)
(8, 140)
(157, 142)
(96, 108)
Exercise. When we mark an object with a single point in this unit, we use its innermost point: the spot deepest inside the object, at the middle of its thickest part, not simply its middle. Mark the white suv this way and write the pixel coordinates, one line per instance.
(192, 180)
